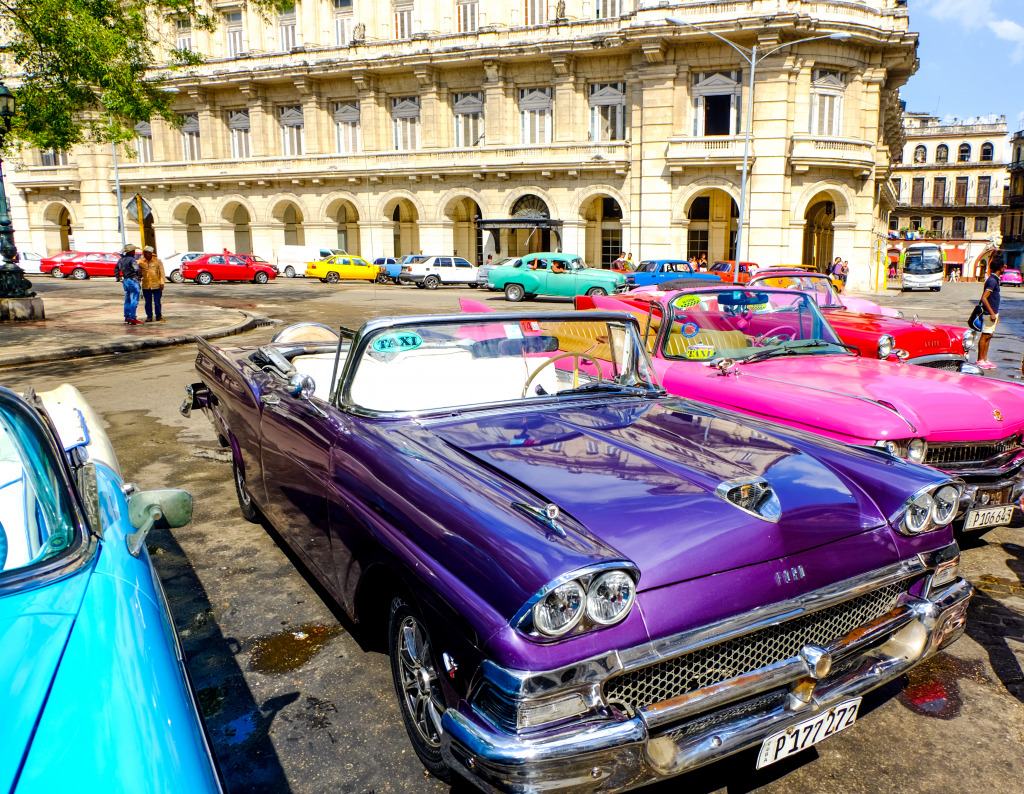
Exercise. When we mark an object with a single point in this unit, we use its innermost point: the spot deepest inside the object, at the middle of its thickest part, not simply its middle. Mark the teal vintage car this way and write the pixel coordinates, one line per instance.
(555, 274)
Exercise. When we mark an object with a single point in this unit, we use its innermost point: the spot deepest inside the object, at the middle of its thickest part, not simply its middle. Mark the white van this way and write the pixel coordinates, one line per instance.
(291, 259)
(430, 272)
(921, 267)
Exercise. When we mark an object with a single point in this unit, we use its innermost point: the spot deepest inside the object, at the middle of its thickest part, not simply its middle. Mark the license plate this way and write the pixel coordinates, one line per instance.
(807, 733)
(989, 517)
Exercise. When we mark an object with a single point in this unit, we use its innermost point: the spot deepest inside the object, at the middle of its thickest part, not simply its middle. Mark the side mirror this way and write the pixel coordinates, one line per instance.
(145, 508)
(301, 386)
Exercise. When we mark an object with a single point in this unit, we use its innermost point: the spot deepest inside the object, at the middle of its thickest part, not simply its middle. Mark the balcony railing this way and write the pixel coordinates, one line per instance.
(821, 152)
(710, 149)
(950, 203)
(955, 234)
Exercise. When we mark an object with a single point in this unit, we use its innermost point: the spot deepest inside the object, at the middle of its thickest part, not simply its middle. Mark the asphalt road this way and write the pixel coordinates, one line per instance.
(297, 699)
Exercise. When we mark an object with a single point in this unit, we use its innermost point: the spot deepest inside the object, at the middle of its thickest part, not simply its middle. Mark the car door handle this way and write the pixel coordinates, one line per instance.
(270, 399)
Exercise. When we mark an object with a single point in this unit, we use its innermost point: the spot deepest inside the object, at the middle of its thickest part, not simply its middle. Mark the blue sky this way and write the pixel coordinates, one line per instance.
(972, 59)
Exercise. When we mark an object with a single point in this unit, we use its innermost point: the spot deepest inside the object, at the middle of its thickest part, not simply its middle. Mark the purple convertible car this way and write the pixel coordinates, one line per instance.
(585, 584)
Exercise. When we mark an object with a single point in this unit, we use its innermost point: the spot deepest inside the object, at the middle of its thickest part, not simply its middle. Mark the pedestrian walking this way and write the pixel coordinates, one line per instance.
(127, 272)
(152, 284)
(619, 263)
(990, 318)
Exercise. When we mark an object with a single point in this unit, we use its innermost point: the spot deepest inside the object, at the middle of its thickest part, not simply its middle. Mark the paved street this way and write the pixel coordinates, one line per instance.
(297, 699)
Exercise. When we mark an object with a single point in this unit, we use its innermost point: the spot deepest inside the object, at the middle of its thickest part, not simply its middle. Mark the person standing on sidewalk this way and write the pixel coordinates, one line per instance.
(128, 273)
(152, 284)
(990, 304)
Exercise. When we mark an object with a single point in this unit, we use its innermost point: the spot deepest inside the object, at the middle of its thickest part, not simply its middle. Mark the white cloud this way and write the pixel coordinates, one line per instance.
(1008, 30)
(975, 14)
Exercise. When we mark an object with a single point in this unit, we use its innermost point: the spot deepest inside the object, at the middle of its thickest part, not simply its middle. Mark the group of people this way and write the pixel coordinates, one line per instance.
(840, 269)
(141, 275)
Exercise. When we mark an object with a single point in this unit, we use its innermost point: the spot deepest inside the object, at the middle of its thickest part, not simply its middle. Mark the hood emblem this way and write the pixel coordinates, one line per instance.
(547, 515)
(998, 416)
(790, 575)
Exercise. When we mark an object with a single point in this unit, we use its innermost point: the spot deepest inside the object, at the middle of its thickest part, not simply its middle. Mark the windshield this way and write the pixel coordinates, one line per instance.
(748, 324)
(36, 517)
(923, 261)
(721, 267)
(457, 364)
(819, 286)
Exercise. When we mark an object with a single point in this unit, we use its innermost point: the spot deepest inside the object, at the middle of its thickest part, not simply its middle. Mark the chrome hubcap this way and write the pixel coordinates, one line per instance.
(419, 682)
(243, 494)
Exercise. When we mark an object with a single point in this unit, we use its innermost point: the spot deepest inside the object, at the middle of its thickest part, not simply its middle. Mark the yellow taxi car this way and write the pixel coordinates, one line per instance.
(344, 266)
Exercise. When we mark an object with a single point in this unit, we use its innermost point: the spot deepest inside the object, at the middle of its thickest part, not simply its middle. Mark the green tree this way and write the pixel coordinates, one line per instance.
(82, 70)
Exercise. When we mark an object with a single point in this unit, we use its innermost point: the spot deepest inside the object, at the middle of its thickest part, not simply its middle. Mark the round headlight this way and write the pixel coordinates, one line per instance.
(889, 446)
(919, 514)
(610, 597)
(916, 450)
(560, 610)
(970, 339)
(885, 345)
(946, 499)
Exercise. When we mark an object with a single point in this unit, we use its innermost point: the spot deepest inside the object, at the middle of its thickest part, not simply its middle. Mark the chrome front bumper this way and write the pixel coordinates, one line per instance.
(618, 754)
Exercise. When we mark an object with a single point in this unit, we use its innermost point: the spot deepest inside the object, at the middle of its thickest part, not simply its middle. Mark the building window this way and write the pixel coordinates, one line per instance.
(607, 9)
(143, 142)
(403, 19)
(936, 223)
(939, 191)
(467, 13)
(987, 152)
(536, 12)
(469, 120)
(286, 27)
(897, 187)
(981, 224)
(915, 223)
(942, 153)
(607, 111)
(53, 157)
(827, 103)
(716, 103)
(346, 127)
(405, 121)
(984, 189)
(917, 192)
(894, 222)
(190, 137)
(963, 154)
(920, 155)
(183, 34)
(293, 133)
(234, 30)
(962, 185)
(611, 246)
(238, 129)
(534, 115)
(959, 226)
(343, 22)
(696, 243)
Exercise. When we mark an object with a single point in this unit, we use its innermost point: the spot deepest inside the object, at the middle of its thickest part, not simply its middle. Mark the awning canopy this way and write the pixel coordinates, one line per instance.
(518, 223)
(955, 256)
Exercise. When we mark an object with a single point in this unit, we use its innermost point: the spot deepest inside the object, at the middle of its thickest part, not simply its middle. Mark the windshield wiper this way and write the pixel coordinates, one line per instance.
(793, 348)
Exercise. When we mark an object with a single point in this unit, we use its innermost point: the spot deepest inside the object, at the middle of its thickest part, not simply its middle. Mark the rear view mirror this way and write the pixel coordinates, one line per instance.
(145, 508)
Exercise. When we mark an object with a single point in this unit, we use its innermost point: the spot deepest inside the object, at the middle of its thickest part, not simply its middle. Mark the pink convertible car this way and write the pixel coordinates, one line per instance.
(771, 353)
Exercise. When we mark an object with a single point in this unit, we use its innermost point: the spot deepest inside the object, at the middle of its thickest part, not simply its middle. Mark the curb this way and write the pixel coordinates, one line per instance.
(249, 322)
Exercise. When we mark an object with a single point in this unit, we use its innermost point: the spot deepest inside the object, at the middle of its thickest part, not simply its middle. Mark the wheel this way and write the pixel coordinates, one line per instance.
(261, 278)
(56, 272)
(176, 276)
(249, 510)
(204, 278)
(576, 359)
(417, 685)
(396, 281)
(473, 285)
(431, 282)
(781, 333)
(289, 272)
(382, 278)
(79, 274)
(420, 285)
(332, 277)
(514, 292)
(598, 292)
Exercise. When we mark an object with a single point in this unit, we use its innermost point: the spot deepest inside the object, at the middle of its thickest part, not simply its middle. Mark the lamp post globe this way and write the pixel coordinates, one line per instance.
(13, 283)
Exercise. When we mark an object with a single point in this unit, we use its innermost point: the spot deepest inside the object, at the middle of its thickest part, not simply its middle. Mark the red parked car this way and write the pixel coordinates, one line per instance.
(51, 264)
(87, 264)
(733, 272)
(226, 267)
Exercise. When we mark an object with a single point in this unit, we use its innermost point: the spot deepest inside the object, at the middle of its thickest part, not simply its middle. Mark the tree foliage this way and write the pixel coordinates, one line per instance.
(83, 70)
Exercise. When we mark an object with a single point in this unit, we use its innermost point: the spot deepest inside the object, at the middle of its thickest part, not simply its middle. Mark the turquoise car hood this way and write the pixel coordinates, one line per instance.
(34, 630)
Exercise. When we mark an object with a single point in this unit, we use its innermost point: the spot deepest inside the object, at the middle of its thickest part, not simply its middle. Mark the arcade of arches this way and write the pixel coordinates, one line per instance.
(819, 234)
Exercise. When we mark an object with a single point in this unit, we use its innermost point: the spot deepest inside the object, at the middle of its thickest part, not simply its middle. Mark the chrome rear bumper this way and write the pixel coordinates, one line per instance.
(618, 754)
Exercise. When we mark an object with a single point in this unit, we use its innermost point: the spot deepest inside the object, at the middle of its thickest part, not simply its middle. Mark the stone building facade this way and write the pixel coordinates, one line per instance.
(459, 126)
(1013, 219)
(949, 181)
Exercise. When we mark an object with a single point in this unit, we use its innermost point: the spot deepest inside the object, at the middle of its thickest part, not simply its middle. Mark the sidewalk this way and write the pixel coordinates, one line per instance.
(80, 327)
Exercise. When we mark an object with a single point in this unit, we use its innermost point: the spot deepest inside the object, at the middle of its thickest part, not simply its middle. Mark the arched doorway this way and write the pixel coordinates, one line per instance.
(190, 221)
(405, 228)
(530, 240)
(242, 232)
(291, 218)
(713, 220)
(348, 228)
(59, 231)
(819, 233)
(467, 239)
(603, 238)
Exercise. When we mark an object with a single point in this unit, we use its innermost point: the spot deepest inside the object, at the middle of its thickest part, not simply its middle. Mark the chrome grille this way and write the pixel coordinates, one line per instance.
(717, 663)
(965, 454)
(949, 365)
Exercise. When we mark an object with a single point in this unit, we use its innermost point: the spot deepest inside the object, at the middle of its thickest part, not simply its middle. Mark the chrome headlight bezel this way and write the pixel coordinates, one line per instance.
(913, 449)
(886, 344)
(586, 579)
(917, 450)
(917, 515)
(970, 339)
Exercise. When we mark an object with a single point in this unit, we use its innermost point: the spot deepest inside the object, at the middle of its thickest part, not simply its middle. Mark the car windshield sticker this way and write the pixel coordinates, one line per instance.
(530, 326)
(690, 329)
(396, 342)
(758, 307)
(686, 301)
(700, 352)
(513, 331)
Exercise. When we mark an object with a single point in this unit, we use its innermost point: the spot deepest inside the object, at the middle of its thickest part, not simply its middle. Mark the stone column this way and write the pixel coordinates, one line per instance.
(566, 100)
(260, 119)
(210, 141)
(376, 238)
(498, 113)
(437, 236)
(433, 127)
(370, 113)
(315, 119)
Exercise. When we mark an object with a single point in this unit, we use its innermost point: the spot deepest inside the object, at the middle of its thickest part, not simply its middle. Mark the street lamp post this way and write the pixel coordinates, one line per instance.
(13, 283)
(753, 58)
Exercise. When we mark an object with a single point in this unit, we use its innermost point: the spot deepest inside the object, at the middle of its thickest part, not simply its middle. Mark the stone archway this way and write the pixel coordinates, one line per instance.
(58, 229)
(289, 217)
(529, 241)
(405, 231)
(819, 233)
(242, 231)
(346, 216)
(189, 229)
(603, 243)
(712, 221)
(467, 239)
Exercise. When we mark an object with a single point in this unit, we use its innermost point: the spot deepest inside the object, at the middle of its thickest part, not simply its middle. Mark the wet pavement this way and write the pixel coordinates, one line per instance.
(297, 699)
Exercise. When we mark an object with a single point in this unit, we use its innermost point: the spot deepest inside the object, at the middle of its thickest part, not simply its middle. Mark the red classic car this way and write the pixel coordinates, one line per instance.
(874, 336)
(51, 264)
(88, 264)
(227, 267)
(733, 272)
